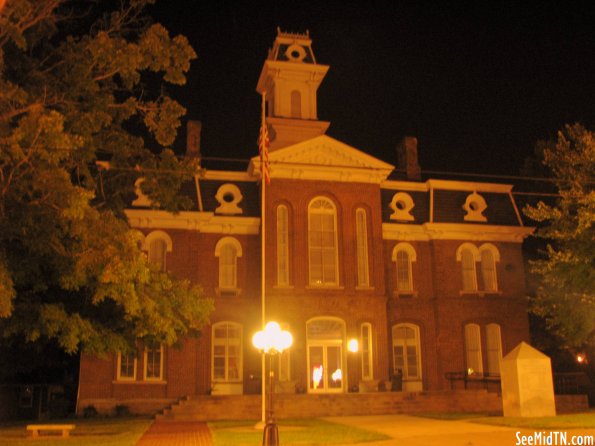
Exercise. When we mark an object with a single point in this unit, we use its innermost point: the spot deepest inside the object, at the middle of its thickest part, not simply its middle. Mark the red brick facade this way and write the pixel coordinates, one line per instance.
(419, 331)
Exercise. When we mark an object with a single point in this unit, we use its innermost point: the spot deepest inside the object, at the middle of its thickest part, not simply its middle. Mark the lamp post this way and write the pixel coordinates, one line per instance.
(271, 341)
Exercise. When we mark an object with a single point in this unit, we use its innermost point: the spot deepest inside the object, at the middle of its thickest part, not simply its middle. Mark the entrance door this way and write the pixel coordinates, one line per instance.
(325, 368)
(326, 371)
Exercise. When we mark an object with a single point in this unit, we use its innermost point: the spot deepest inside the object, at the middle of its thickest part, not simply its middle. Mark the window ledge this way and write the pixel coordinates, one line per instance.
(228, 291)
(325, 287)
(481, 293)
(404, 295)
(142, 382)
(365, 288)
(283, 287)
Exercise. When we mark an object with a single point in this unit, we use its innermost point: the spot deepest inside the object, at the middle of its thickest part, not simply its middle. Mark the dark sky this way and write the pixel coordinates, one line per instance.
(478, 83)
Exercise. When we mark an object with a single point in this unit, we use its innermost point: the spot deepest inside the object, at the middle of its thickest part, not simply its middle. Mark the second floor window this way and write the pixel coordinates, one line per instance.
(228, 250)
(322, 242)
(282, 246)
(361, 235)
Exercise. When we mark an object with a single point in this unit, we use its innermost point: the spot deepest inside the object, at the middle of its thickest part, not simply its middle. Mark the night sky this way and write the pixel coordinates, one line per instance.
(478, 85)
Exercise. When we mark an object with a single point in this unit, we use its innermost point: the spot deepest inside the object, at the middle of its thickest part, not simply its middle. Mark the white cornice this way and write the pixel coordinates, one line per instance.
(469, 186)
(454, 231)
(411, 186)
(206, 222)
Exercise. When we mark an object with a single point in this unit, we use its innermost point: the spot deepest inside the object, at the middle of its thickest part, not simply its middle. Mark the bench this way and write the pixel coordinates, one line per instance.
(35, 429)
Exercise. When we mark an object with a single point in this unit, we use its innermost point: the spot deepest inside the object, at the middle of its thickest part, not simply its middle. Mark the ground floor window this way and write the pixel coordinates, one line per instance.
(473, 349)
(366, 341)
(126, 366)
(153, 361)
(406, 351)
(227, 352)
(494, 347)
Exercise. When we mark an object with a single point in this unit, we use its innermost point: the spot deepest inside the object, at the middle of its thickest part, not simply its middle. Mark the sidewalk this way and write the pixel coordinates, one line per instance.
(417, 431)
(176, 433)
(405, 431)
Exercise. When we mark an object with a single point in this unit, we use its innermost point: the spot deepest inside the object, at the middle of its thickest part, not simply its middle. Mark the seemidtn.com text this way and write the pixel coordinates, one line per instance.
(554, 438)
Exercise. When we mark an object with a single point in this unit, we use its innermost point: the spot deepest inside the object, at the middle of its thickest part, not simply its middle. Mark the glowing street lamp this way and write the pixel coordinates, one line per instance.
(271, 341)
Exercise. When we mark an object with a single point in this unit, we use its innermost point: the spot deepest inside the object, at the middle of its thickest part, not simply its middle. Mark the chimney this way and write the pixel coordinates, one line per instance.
(407, 158)
(193, 129)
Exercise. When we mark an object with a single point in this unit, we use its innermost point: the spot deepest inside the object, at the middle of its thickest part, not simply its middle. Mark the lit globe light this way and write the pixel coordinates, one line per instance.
(581, 358)
(272, 339)
(353, 346)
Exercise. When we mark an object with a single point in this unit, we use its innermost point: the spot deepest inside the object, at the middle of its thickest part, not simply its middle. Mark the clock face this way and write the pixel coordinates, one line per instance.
(295, 53)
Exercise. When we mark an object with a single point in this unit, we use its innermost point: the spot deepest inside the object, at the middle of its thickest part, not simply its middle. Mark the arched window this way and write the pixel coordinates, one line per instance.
(282, 246)
(406, 351)
(157, 244)
(296, 104)
(322, 242)
(473, 349)
(468, 254)
(226, 352)
(403, 255)
(228, 250)
(366, 343)
(489, 256)
(361, 236)
(494, 347)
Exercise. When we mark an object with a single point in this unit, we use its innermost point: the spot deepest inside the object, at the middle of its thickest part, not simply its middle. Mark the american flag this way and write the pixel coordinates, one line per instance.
(263, 145)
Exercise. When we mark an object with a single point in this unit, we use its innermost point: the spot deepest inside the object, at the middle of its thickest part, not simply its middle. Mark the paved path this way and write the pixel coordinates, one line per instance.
(176, 433)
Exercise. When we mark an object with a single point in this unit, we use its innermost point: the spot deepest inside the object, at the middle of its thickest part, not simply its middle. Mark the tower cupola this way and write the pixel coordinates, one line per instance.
(290, 77)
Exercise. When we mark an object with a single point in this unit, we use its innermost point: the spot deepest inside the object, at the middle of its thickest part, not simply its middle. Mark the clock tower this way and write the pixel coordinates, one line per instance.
(290, 78)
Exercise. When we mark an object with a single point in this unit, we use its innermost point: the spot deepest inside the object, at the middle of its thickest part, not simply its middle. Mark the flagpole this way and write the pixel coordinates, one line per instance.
(262, 149)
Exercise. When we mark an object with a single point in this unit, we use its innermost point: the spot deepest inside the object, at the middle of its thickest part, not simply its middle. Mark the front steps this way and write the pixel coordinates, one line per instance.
(248, 407)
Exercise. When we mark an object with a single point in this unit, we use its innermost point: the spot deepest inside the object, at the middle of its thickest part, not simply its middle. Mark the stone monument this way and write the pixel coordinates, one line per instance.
(527, 385)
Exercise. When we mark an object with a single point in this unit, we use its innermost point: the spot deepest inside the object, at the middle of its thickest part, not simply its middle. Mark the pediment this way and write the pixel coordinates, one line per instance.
(325, 158)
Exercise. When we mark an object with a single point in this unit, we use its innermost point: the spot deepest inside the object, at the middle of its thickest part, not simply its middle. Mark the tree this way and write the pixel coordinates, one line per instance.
(71, 270)
(566, 293)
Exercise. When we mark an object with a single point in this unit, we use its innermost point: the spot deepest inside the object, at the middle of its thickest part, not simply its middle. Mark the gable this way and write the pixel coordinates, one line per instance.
(324, 158)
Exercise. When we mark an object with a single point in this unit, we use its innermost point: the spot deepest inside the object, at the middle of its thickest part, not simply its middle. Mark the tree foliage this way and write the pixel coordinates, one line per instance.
(71, 270)
(566, 295)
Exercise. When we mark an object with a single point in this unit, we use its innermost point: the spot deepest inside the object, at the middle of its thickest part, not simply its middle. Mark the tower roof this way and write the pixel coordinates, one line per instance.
(292, 47)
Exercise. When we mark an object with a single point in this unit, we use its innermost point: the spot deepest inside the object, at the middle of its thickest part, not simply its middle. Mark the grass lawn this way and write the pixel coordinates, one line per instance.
(570, 421)
(88, 432)
(291, 432)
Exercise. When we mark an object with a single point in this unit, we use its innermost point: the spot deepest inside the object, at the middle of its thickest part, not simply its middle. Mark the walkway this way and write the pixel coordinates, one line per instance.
(418, 431)
(176, 433)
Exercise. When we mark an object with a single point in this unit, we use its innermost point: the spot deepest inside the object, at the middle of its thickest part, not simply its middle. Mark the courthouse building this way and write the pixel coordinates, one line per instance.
(427, 276)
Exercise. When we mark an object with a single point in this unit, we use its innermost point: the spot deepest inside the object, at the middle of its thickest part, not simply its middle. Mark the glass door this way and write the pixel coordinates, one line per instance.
(325, 367)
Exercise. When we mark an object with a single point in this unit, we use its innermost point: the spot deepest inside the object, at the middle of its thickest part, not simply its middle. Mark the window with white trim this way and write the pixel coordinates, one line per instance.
(361, 236)
(282, 245)
(157, 244)
(403, 256)
(322, 242)
(228, 250)
(489, 255)
(366, 343)
(153, 362)
(126, 366)
(473, 349)
(226, 352)
(406, 351)
(494, 348)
